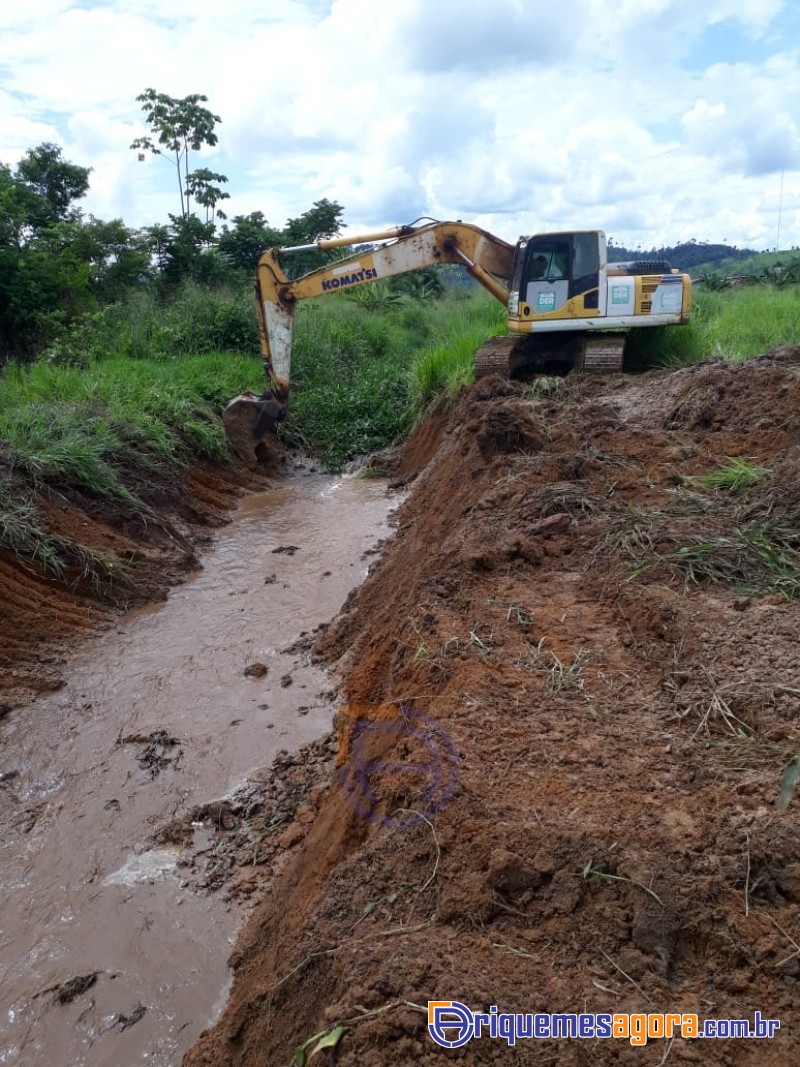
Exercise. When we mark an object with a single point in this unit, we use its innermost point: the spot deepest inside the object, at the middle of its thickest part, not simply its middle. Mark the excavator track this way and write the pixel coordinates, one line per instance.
(595, 354)
(603, 354)
(493, 357)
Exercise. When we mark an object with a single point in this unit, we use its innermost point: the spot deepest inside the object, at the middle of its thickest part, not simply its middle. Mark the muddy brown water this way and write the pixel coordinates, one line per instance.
(82, 890)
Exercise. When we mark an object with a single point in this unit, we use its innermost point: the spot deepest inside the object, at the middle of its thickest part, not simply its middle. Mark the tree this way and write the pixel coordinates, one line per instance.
(246, 239)
(157, 239)
(30, 315)
(52, 178)
(425, 284)
(44, 281)
(184, 249)
(18, 206)
(251, 235)
(118, 257)
(56, 266)
(199, 185)
(181, 126)
(322, 220)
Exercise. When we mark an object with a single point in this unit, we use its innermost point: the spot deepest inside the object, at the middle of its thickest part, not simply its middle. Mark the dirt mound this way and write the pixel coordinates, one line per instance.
(573, 692)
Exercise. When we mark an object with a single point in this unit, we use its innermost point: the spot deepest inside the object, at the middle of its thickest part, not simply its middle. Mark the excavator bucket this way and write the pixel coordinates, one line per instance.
(249, 420)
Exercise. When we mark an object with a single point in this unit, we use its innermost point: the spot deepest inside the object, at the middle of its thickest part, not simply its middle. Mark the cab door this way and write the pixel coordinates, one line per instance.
(564, 275)
(547, 284)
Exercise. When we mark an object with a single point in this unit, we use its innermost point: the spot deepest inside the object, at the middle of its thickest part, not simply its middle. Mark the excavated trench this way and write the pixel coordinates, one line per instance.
(590, 644)
(570, 701)
(108, 954)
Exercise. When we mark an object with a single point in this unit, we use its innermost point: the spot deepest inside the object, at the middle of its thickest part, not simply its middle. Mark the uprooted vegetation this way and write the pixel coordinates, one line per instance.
(585, 628)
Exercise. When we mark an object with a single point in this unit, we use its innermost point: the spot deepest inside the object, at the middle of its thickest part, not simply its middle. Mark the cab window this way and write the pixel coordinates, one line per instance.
(587, 255)
(549, 260)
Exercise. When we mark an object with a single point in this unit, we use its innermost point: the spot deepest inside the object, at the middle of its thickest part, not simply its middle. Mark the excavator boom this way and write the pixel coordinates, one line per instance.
(387, 253)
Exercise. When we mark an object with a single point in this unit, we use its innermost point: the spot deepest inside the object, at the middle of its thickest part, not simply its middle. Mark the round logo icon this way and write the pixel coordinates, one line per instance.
(431, 769)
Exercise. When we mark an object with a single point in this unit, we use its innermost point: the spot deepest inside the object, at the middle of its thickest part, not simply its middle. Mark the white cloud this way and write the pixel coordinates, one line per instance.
(516, 115)
(756, 15)
(32, 15)
(18, 132)
(753, 141)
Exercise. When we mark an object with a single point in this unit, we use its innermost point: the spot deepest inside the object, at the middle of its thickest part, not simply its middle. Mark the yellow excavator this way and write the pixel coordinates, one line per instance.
(568, 307)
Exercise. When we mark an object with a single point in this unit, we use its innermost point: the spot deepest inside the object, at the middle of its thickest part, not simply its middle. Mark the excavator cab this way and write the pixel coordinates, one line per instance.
(556, 276)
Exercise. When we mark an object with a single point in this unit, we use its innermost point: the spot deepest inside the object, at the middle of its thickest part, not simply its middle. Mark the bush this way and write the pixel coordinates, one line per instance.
(194, 321)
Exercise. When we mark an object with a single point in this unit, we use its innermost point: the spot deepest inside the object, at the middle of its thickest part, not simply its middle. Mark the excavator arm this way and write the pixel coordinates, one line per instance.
(248, 419)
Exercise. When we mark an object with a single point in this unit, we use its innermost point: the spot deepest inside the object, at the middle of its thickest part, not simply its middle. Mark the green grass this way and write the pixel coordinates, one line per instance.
(733, 324)
(448, 364)
(112, 431)
(745, 322)
(755, 558)
(85, 428)
(736, 475)
(349, 394)
(21, 532)
(361, 375)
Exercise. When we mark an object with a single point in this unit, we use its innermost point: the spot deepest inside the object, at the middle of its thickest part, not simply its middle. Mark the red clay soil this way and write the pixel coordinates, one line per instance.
(116, 559)
(577, 808)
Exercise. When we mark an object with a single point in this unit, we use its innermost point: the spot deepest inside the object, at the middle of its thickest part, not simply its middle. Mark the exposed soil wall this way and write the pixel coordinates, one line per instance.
(42, 616)
(597, 662)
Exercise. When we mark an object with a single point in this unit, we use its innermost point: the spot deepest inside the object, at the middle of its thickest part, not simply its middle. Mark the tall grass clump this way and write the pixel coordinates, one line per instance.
(349, 391)
(362, 369)
(194, 320)
(22, 534)
(666, 346)
(89, 429)
(745, 322)
(448, 364)
(737, 474)
(732, 324)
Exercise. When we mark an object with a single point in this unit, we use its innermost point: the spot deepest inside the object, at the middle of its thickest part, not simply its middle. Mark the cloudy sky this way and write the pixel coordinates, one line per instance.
(656, 120)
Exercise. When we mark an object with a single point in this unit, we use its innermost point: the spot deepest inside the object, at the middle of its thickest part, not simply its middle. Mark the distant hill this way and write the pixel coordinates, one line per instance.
(694, 257)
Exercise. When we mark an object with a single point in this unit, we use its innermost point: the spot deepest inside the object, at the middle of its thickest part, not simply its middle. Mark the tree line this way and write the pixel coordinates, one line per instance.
(685, 256)
(57, 264)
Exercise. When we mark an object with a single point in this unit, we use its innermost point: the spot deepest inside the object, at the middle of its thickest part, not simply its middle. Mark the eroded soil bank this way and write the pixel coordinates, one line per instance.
(115, 928)
(577, 808)
(144, 552)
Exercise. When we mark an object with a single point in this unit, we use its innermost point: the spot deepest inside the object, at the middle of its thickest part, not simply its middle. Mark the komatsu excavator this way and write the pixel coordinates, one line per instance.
(568, 307)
